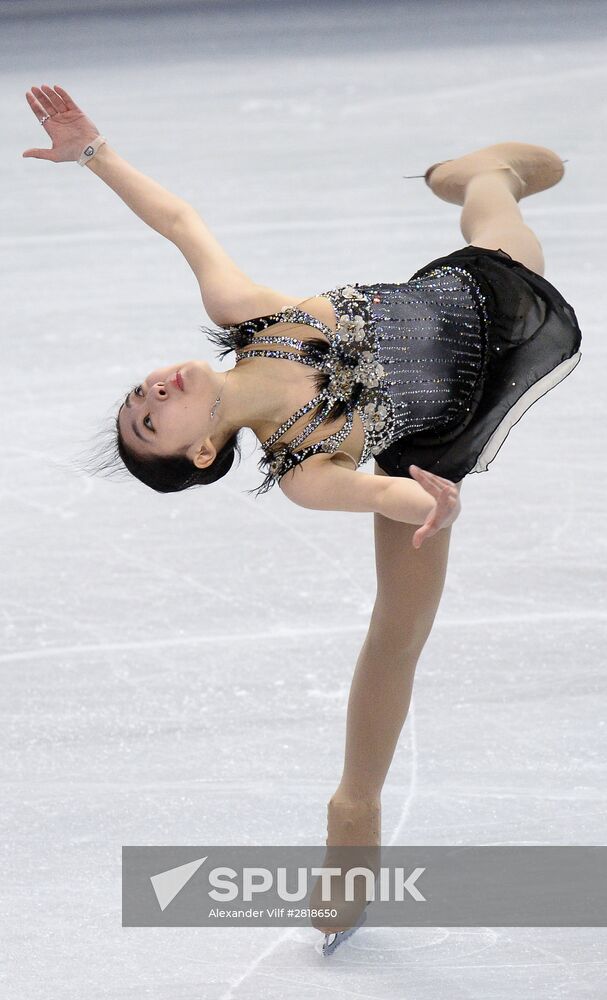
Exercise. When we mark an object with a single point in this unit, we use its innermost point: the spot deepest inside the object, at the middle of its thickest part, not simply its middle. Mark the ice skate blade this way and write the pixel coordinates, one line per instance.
(333, 941)
(421, 177)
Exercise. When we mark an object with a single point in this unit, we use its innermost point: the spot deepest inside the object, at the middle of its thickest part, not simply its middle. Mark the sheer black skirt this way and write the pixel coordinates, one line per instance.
(533, 344)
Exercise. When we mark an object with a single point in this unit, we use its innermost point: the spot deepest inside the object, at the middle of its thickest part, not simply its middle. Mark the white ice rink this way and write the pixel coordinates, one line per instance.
(175, 669)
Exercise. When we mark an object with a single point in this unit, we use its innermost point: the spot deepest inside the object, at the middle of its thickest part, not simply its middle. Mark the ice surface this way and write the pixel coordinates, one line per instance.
(175, 669)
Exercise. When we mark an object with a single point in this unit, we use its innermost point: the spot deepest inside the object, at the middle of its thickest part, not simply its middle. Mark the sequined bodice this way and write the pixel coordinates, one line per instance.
(405, 356)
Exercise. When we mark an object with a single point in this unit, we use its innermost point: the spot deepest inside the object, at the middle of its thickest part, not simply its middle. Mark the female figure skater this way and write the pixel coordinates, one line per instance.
(428, 376)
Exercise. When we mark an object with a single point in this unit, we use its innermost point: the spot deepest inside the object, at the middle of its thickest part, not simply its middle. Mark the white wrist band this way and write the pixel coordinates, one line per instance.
(89, 151)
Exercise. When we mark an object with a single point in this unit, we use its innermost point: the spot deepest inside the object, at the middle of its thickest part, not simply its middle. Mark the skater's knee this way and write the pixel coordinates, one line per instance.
(395, 636)
(519, 241)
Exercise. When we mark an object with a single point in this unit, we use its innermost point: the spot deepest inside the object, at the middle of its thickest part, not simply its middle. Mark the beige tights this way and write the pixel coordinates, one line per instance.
(409, 587)
(492, 219)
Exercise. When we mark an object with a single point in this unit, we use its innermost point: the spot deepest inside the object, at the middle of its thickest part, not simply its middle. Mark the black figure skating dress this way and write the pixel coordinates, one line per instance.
(439, 367)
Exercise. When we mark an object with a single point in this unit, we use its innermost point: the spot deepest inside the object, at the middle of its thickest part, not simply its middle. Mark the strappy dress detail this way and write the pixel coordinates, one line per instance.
(340, 379)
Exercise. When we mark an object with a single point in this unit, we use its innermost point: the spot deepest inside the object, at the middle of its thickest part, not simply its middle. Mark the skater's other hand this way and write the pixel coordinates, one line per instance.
(447, 504)
(68, 127)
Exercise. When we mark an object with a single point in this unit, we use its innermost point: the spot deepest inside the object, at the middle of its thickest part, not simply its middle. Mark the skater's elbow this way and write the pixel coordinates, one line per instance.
(321, 484)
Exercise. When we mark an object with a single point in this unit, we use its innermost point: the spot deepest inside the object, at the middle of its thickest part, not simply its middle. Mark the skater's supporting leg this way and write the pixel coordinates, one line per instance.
(409, 587)
(492, 219)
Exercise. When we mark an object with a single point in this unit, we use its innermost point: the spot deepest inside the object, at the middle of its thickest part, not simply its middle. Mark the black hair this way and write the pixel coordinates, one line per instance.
(172, 474)
(165, 474)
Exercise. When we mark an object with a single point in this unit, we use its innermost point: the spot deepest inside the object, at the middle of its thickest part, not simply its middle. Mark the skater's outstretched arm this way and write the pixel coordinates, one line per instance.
(228, 294)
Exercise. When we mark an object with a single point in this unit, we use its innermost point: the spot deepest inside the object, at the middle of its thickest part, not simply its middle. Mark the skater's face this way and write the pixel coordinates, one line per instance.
(168, 414)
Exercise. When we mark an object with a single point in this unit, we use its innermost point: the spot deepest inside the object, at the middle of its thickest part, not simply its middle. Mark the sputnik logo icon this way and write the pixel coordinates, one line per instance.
(167, 884)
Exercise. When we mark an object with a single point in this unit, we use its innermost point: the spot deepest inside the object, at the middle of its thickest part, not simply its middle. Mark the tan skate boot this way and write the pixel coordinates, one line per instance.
(535, 167)
(353, 840)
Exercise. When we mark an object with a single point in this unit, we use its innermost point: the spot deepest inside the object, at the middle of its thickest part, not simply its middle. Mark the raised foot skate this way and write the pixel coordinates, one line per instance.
(535, 167)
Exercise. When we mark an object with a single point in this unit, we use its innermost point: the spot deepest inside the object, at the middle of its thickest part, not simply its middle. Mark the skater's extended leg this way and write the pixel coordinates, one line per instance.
(409, 587)
(492, 219)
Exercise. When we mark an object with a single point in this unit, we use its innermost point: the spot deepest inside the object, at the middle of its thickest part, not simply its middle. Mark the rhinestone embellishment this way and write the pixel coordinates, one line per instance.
(351, 331)
(349, 292)
(277, 464)
(369, 371)
(376, 414)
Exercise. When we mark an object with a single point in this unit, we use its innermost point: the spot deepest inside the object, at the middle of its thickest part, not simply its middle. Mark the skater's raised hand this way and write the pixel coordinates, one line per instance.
(447, 503)
(68, 127)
